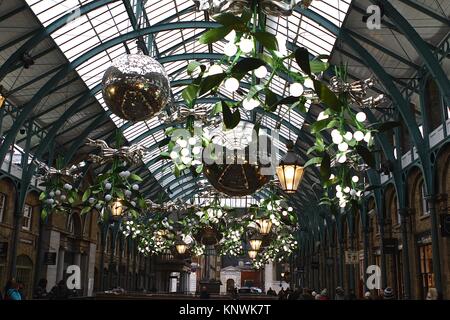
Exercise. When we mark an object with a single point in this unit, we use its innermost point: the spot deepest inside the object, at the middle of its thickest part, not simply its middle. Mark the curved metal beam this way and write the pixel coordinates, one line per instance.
(430, 61)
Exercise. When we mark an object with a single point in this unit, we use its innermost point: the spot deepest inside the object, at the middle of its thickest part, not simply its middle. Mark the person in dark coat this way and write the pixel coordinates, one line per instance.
(41, 290)
(60, 291)
(204, 293)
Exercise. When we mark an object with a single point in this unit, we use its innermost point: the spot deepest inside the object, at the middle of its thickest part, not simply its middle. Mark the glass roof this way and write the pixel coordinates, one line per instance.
(82, 33)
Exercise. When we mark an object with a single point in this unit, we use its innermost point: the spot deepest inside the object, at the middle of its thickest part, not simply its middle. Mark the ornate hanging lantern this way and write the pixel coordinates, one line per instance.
(136, 87)
(290, 171)
(181, 247)
(252, 254)
(117, 209)
(264, 226)
(255, 243)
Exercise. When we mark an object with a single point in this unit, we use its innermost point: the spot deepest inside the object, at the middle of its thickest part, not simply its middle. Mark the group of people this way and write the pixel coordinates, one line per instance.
(14, 290)
(310, 294)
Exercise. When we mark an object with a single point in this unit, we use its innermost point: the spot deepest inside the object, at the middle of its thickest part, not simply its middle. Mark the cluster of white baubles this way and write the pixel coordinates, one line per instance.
(245, 44)
(56, 196)
(342, 139)
(198, 250)
(212, 215)
(187, 152)
(108, 187)
(347, 193)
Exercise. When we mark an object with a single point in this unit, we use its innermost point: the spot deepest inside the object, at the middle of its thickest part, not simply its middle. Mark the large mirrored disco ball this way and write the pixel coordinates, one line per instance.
(136, 87)
(236, 166)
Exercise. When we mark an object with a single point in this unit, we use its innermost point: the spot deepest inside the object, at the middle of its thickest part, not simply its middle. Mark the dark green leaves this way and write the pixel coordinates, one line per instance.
(320, 125)
(271, 99)
(247, 64)
(211, 82)
(214, 35)
(315, 160)
(230, 119)
(325, 167)
(268, 40)
(86, 195)
(302, 58)
(367, 156)
(189, 94)
(135, 177)
(231, 22)
(318, 66)
(193, 66)
(327, 96)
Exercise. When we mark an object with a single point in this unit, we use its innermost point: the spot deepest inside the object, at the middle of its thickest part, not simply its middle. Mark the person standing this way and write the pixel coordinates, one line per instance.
(204, 293)
(340, 294)
(11, 290)
(60, 291)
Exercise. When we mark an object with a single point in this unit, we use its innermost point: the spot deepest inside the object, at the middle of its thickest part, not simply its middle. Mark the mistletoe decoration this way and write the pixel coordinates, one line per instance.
(60, 195)
(116, 186)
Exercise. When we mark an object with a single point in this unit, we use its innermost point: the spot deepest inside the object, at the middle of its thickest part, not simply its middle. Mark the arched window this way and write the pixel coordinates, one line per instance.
(25, 274)
(421, 193)
(395, 216)
(433, 104)
(69, 224)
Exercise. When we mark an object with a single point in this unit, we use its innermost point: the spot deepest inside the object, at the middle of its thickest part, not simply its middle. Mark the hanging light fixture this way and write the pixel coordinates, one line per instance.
(116, 209)
(290, 171)
(252, 254)
(181, 247)
(264, 226)
(255, 243)
(2, 97)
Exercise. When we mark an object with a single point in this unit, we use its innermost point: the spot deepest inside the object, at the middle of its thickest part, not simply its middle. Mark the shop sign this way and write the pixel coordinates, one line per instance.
(49, 258)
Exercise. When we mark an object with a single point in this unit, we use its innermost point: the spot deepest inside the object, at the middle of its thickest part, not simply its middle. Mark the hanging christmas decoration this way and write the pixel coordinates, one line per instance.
(136, 87)
(238, 170)
(269, 7)
(116, 191)
(60, 194)
(357, 91)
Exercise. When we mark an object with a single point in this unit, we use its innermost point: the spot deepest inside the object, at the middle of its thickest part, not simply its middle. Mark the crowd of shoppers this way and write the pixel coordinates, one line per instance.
(14, 290)
(311, 294)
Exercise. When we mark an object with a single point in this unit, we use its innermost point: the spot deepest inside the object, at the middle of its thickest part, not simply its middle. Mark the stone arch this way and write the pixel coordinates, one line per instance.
(391, 205)
(416, 190)
(74, 219)
(24, 273)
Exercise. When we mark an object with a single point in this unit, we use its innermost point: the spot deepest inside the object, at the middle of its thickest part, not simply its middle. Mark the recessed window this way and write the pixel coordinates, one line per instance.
(70, 224)
(27, 217)
(425, 209)
(2, 205)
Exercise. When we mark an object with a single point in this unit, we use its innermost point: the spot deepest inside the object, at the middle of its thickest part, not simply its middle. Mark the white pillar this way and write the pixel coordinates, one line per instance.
(268, 277)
